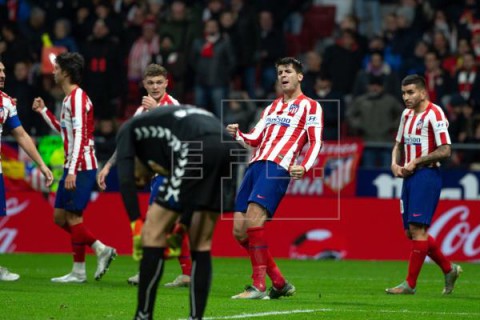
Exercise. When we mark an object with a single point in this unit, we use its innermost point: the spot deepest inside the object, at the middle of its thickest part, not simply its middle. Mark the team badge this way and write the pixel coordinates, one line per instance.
(293, 109)
(420, 124)
(339, 172)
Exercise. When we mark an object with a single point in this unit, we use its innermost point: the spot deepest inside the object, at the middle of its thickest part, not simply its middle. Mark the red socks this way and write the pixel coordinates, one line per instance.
(184, 258)
(417, 257)
(80, 237)
(437, 256)
(258, 251)
(278, 281)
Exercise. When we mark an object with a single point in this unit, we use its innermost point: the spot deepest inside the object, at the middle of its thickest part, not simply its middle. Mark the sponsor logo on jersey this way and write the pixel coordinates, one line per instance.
(413, 140)
(312, 120)
(442, 125)
(281, 121)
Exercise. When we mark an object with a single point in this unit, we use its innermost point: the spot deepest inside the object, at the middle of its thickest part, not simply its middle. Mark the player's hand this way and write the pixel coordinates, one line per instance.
(297, 172)
(47, 174)
(232, 129)
(149, 103)
(101, 177)
(38, 104)
(70, 182)
(397, 170)
(409, 168)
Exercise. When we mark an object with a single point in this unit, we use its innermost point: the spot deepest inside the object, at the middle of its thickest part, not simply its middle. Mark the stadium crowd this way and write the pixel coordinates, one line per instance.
(355, 52)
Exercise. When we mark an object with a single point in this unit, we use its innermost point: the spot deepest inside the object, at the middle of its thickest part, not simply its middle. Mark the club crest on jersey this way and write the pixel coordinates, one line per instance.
(293, 109)
(420, 124)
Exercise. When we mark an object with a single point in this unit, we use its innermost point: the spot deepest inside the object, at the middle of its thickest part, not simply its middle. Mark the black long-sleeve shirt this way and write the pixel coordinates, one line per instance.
(157, 136)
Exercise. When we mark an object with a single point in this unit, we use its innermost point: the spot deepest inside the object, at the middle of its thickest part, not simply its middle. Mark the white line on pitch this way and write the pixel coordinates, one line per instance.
(289, 312)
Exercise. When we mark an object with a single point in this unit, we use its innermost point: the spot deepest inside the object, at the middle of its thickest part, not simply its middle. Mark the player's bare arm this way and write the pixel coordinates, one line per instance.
(442, 152)
(26, 143)
(105, 171)
(70, 182)
(396, 158)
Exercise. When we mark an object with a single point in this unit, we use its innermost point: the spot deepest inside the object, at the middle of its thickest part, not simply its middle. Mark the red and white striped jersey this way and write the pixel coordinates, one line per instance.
(76, 127)
(164, 101)
(284, 129)
(422, 133)
(8, 111)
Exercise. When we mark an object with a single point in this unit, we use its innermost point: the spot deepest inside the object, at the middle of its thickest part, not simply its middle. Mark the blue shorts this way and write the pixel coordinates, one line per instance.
(155, 184)
(420, 195)
(264, 183)
(3, 203)
(76, 200)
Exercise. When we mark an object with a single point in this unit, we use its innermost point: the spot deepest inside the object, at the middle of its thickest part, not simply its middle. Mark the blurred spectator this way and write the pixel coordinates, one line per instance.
(102, 77)
(175, 63)
(33, 29)
(441, 45)
(376, 67)
(241, 110)
(377, 43)
(56, 9)
(313, 64)
(333, 107)
(13, 47)
(213, 10)
(368, 13)
(416, 63)
(455, 117)
(180, 26)
(374, 117)
(20, 88)
(272, 47)
(437, 80)
(341, 61)
(62, 37)
(350, 23)
(475, 43)
(455, 61)
(246, 45)
(104, 10)
(105, 134)
(467, 80)
(141, 53)
(213, 61)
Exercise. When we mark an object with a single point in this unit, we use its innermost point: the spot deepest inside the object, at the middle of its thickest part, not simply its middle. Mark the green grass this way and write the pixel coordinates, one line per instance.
(349, 290)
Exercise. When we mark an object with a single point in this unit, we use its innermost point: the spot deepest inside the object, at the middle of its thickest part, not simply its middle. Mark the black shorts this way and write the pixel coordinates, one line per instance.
(200, 177)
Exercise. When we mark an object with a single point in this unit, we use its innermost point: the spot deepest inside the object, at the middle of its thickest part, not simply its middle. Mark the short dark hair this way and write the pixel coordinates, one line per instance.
(415, 79)
(297, 65)
(155, 70)
(72, 63)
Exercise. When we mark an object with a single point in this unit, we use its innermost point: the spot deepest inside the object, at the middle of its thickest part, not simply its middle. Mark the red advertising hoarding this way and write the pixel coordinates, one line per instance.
(304, 227)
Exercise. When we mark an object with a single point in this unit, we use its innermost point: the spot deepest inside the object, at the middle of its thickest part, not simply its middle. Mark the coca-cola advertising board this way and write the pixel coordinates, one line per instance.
(303, 228)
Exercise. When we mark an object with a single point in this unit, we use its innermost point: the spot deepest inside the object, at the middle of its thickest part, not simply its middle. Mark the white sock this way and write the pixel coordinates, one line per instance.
(98, 247)
(79, 268)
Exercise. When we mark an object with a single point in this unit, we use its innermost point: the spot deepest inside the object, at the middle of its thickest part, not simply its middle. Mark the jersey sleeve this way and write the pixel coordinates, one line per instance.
(314, 128)
(125, 169)
(401, 127)
(440, 127)
(50, 119)
(78, 113)
(13, 121)
(255, 136)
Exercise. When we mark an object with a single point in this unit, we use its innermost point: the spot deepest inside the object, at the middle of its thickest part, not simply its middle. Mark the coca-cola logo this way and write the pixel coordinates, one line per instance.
(457, 234)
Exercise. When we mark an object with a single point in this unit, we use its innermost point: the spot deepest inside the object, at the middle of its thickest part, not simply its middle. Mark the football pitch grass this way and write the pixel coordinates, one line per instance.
(325, 290)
